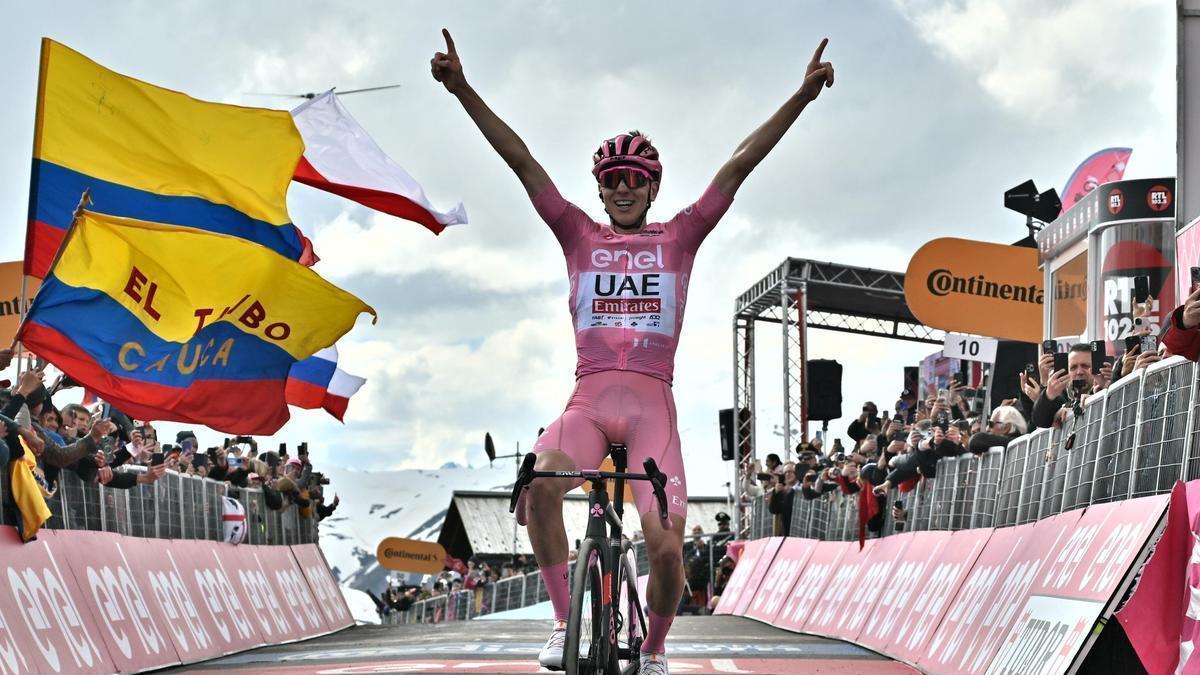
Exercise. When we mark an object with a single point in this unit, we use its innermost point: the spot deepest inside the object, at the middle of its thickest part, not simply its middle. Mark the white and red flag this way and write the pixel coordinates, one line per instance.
(317, 382)
(340, 157)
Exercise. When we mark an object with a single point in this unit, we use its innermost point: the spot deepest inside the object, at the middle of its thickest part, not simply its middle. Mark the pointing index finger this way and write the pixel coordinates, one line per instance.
(820, 50)
(449, 42)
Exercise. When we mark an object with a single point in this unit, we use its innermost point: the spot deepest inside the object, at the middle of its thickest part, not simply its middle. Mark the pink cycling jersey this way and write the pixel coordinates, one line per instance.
(628, 291)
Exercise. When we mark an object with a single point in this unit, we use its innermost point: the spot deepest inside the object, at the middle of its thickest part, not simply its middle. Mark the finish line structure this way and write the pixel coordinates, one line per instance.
(807, 293)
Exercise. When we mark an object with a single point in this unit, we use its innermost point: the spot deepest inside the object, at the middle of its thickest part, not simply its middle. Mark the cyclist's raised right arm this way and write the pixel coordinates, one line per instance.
(447, 69)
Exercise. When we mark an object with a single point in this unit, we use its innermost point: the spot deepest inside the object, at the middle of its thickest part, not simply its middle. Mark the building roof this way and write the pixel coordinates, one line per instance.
(478, 523)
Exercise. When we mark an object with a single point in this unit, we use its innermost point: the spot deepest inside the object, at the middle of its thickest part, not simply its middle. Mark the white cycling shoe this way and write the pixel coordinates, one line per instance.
(653, 663)
(551, 655)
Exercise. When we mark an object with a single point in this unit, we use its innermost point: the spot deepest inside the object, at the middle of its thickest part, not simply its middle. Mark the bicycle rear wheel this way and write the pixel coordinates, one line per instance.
(633, 629)
(584, 652)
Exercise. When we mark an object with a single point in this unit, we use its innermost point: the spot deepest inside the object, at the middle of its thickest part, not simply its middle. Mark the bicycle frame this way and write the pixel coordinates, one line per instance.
(606, 528)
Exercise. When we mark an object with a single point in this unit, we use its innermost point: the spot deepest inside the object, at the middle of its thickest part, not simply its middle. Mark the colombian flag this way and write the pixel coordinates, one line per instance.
(180, 324)
(155, 155)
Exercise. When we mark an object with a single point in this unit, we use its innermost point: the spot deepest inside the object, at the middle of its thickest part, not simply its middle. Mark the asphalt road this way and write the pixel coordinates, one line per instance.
(697, 645)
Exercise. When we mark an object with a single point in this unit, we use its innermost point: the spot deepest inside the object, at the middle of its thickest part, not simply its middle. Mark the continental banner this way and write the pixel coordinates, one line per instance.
(976, 287)
(10, 298)
(411, 555)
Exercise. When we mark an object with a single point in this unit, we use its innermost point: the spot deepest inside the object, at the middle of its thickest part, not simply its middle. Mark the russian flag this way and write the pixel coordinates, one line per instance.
(340, 157)
(317, 382)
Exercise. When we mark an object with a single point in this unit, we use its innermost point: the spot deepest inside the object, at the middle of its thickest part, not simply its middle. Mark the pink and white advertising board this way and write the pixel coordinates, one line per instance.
(801, 601)
(986, 605)
(746, 562)
(96, 602)
(1075, 586)
(781, 576)
(929, 598)
(836, 591)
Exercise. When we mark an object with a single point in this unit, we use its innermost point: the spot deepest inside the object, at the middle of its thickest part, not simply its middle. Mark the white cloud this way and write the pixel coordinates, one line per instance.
(1038, 57)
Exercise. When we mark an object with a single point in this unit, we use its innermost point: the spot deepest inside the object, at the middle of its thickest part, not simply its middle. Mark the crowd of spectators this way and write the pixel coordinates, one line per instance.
(39, 441)
(476, 578)
(898, 450)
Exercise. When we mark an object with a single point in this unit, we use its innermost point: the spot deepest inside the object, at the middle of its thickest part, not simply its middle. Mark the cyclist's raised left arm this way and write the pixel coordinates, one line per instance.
(818, 75)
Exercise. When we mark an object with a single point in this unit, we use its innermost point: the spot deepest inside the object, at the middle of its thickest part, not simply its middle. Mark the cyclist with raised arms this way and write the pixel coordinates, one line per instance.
(629, 283)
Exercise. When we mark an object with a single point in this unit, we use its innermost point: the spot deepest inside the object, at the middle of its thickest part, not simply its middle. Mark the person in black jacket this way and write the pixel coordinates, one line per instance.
(782, 497)
(865, 424)
(1063, 387)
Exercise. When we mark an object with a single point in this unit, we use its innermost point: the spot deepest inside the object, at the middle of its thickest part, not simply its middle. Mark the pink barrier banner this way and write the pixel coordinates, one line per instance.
(45, 626)
(95, 602)
(987, 604)
(268, 575)
(875, 579)
(920, 553)
(929, 597)
(743, 576)
(329, 597)
(132, 624)
(780, 577)
(801, 600)
(826, 612)
(211, 612)
(765, 558)
(1160, 618)
(1064, 602)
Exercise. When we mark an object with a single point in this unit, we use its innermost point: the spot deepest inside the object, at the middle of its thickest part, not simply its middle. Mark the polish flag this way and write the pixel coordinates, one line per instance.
(317, 382)
(340, 157)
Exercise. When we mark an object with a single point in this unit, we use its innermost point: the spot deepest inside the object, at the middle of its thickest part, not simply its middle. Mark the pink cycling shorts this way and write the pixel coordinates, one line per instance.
(623, 406)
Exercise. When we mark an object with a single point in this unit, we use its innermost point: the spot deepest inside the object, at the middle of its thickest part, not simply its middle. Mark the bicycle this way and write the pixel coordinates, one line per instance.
(604, 562)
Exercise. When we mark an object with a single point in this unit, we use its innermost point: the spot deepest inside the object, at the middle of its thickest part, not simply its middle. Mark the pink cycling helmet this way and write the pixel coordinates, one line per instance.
(631, 149)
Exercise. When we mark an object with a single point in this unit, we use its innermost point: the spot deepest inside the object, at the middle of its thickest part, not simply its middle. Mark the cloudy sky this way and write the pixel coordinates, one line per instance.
(939, 106)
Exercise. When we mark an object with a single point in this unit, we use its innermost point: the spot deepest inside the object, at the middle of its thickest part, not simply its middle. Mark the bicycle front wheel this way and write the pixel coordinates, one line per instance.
(584, 652)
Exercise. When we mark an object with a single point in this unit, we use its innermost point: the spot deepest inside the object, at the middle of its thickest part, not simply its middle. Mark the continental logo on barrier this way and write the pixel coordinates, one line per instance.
(411, 555)
(942, 282)
(976, 287)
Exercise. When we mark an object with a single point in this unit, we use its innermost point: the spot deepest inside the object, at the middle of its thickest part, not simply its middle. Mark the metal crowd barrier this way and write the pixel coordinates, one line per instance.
(521, 590)
(1133, 440)
(176, 506)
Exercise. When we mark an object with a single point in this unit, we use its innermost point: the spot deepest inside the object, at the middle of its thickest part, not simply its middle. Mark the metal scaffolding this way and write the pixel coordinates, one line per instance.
(797, 295)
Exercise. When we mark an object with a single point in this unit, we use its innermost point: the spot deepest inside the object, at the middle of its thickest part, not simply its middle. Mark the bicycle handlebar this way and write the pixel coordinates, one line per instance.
(524, 476)
(658, 480)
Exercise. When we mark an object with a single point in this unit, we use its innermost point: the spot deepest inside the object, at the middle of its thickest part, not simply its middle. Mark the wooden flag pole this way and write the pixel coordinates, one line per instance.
(84, 200)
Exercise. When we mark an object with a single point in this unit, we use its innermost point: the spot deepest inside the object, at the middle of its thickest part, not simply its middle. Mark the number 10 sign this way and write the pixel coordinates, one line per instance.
(970, 347)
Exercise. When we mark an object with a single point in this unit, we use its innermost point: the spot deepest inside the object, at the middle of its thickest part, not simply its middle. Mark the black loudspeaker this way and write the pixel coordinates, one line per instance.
(1011, 358)
(824, 390)
(725, 421)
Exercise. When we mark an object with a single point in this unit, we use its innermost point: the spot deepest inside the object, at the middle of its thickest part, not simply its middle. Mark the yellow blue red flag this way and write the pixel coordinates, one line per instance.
(179, 324)
(157, 155)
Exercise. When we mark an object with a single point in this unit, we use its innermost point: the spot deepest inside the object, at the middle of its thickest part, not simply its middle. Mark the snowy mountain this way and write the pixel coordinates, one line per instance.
(381, 504)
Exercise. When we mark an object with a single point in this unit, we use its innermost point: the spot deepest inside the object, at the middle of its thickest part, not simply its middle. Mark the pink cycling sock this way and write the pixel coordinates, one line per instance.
(656, 633)
(555, 578)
